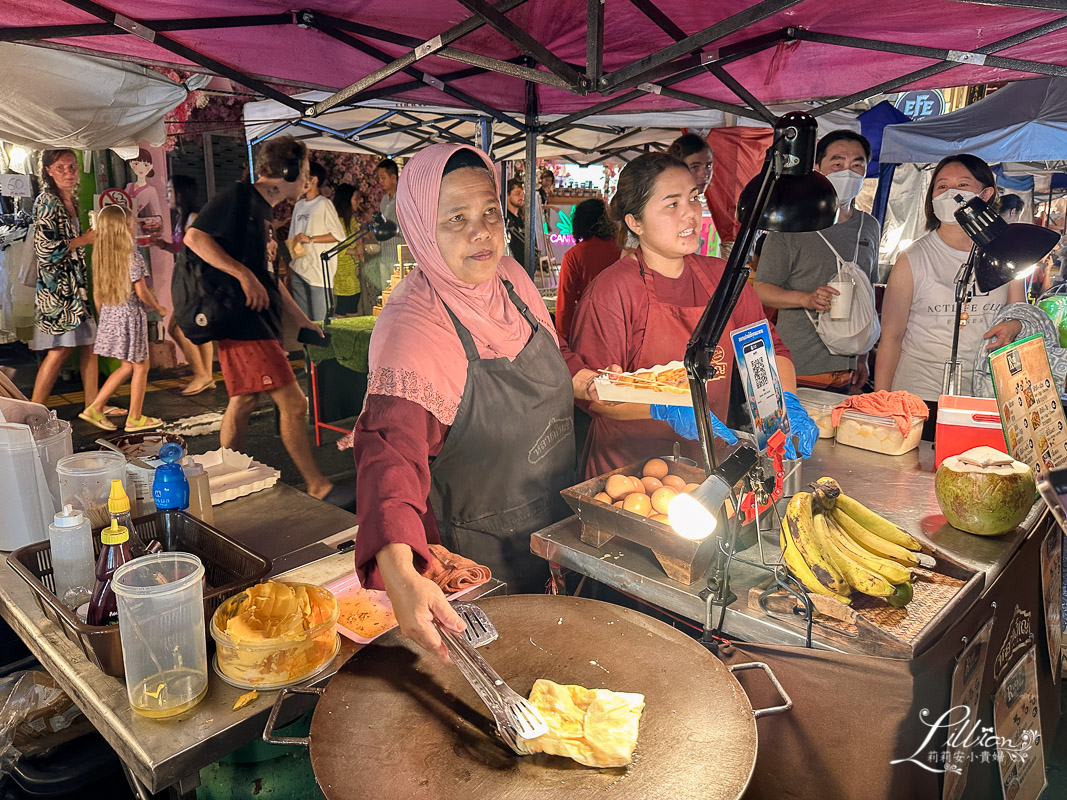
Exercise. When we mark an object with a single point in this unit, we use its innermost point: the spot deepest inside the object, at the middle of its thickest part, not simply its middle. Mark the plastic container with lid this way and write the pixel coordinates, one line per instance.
(161, 620)
(966, 422)
(819, 405)
(85, 482)
(877, 434)
(272, 663)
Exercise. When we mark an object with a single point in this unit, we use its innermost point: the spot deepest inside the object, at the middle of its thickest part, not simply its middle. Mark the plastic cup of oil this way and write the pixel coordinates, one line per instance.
(161, 624)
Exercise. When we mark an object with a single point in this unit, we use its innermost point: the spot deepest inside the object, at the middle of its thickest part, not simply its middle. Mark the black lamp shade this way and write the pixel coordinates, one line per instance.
(797, 203)
(1005, 252)
(1013, 254)
(801, 199)
(381, 227)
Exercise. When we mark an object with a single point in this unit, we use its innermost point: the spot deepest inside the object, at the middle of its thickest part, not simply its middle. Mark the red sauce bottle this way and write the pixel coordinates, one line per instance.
(114, 552)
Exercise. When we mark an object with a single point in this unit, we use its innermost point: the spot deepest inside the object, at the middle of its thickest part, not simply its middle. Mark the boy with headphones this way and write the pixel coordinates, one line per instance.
(231, 234)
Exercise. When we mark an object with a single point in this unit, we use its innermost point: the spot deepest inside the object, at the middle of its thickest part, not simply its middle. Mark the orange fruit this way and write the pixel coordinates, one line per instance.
(655, 468)
(638, 486)
(618, 486)
(674, 482)
(617, 504)
(651, 484)
(638, 504)
(602, 497)
(691, 486)
(661, 518)
(661, 499)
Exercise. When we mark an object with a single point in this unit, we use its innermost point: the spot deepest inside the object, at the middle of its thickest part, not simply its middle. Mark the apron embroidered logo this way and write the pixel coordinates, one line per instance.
(556, 431)
(718, 361)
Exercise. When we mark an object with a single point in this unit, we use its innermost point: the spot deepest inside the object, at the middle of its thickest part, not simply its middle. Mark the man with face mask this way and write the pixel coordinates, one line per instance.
(796, 268)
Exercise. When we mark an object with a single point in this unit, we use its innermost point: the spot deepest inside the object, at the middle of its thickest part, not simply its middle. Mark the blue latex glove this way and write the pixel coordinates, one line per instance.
(802, 427)
(684, 422)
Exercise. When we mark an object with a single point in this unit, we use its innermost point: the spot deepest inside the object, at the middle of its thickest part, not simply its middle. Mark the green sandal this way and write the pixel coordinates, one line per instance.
(97, 418)
(142, 423)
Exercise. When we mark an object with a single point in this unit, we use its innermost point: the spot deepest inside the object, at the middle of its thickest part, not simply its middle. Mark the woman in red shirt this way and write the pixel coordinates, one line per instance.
(466, 436)
(641, 311)
(596, 251)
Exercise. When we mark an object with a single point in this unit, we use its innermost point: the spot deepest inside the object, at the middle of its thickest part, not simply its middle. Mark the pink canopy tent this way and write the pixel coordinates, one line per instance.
(636, 55)
(514, 60)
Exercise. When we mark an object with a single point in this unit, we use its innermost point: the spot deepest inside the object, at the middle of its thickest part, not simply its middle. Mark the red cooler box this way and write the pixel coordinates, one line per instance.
(966, 422)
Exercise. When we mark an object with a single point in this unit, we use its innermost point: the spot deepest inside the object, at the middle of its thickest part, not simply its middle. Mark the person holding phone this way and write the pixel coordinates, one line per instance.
(641, 311)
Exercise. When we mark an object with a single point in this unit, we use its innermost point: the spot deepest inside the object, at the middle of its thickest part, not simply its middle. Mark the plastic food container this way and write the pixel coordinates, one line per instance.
(820, 405)
(161, 623)
(877, 434)
(274, 663)
(85, 482)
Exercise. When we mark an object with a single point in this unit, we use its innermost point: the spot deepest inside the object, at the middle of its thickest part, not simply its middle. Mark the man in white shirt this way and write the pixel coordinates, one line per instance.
(316, 227)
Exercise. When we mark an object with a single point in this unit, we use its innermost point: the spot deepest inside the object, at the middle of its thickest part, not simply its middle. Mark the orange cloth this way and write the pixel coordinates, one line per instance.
(454, 573)
(901, 406)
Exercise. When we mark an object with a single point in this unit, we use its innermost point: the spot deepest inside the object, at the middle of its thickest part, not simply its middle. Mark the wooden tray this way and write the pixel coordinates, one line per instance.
(870, 625)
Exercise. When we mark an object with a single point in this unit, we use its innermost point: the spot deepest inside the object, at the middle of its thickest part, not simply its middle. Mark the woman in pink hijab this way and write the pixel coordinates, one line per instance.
(466, 437)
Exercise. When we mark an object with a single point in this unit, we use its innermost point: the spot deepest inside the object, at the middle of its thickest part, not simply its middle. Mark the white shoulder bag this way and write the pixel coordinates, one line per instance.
(859, 332)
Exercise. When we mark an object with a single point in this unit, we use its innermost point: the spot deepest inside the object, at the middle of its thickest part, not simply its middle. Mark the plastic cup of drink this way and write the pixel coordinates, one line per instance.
(841, 303)
(161, 623)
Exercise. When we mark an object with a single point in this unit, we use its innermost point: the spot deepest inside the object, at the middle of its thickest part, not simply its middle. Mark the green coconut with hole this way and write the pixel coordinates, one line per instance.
(984, 491)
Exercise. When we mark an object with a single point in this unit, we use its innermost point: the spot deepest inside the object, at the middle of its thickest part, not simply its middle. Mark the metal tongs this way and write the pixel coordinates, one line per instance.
(515, 716)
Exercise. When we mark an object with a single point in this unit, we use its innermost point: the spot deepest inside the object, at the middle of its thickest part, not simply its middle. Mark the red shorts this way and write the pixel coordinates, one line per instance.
(260, 365)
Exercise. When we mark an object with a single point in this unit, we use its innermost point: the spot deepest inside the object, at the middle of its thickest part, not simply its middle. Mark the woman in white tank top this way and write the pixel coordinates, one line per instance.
(918, 310)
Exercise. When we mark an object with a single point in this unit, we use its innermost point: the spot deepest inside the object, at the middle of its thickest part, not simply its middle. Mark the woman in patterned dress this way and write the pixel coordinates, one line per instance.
(121, 295)
(62, 320)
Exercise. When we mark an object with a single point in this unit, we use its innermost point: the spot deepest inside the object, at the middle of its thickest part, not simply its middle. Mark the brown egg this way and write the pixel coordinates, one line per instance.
(674, 482)
(603, 497)
(638, 504)
(661, 499)
(636, 483)
(651, 484)
(690, 487)
(661, 518)
(618, 486)
(655, 468)
(618, 504)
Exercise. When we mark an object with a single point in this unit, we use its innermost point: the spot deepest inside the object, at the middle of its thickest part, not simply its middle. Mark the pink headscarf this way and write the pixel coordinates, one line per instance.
(415, 352)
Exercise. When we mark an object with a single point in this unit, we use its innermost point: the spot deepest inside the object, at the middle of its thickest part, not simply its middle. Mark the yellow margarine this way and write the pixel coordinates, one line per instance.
(595, 727)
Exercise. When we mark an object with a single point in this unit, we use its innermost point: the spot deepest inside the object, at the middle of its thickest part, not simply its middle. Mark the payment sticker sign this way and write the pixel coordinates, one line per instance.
(759, 377)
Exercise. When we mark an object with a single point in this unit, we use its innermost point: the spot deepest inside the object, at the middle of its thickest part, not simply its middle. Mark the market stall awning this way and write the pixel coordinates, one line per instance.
(52, 98)
(1026, 121)
(526, 57)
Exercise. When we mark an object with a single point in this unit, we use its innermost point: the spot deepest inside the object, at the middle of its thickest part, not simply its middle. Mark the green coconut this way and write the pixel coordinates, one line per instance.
(984, 491)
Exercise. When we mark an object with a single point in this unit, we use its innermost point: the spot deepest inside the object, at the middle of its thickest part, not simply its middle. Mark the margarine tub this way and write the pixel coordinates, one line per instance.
(878, 434)
(275, 634)
(820, 406)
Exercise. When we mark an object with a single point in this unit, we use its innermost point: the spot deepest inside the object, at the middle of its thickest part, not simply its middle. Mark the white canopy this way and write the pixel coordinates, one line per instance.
(1024, 121)
(412, 125)
(52, 98)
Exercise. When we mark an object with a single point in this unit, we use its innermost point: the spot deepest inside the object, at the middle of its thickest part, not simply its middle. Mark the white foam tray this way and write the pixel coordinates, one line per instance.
(232, 474)
(610, 392)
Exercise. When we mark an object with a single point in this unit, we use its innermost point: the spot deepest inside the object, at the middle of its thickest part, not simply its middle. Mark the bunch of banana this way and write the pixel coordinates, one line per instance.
(836, 546)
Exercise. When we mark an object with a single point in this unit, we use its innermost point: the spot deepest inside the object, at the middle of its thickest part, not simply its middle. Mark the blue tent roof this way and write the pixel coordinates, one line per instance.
(1024, 121)
(873, 122)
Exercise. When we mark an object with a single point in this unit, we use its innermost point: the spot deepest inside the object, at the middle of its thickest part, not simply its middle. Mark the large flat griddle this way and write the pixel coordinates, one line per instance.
(397, 723)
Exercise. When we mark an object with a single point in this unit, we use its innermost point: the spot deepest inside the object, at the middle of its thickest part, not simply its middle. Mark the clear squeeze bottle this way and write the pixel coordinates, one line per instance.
(71, 540)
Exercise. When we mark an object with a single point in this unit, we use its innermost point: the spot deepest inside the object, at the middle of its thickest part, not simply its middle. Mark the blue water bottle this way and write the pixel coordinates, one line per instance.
(170, 489)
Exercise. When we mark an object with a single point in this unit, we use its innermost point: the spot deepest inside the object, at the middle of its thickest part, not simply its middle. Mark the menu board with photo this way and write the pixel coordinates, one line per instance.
(1029, 402)
(966, 696)
(1017, 720)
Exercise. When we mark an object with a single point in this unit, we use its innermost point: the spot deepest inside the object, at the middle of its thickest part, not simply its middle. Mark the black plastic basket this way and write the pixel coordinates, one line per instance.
(229, 568)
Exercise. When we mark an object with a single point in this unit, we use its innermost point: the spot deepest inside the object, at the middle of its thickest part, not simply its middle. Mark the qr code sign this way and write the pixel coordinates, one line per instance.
(759, 373)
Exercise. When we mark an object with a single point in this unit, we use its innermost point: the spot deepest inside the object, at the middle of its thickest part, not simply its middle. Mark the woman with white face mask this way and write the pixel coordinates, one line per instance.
(918, 310)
